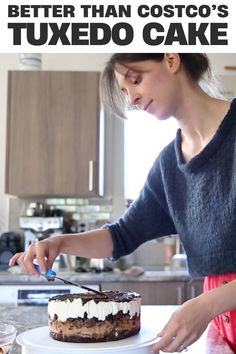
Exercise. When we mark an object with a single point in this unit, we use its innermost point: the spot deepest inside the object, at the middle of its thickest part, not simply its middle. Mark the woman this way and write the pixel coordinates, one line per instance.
(190, 190)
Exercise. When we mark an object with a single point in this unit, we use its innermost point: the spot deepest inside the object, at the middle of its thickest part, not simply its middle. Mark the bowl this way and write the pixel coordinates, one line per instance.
(7, 337)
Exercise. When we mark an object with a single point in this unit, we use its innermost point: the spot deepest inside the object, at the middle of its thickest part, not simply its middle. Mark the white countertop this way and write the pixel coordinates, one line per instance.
(209, 343)
(28, 317)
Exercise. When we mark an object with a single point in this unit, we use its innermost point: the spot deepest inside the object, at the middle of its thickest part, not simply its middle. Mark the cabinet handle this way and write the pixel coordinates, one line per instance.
(91, 164)
(193, 292)
(179, 295)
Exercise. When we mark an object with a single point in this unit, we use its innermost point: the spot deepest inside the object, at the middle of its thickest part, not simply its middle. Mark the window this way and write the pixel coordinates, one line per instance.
(145, 137)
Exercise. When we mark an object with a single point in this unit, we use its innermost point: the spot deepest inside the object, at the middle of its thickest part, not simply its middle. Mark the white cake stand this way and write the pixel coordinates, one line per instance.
(37, 341)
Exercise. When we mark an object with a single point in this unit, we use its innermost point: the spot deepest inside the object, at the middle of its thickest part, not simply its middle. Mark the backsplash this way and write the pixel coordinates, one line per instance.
(89, 214)
(93, 212)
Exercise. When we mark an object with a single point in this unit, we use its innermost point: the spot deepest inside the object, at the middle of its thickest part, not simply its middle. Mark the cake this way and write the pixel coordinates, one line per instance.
(88, 317)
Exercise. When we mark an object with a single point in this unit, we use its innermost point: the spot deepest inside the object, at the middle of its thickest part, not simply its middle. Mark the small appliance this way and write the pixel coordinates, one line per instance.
(32, 294)
(37, 228)
(10, 243)
(98, 265)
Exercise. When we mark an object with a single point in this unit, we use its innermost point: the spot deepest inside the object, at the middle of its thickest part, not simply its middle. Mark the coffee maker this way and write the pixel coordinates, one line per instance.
(37, 228)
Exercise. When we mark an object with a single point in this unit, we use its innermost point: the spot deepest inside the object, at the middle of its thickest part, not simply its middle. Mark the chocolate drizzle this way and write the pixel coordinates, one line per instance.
(116, 296)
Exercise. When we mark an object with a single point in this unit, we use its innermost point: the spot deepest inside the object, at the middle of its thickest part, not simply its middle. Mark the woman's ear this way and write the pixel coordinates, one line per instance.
(173, 61)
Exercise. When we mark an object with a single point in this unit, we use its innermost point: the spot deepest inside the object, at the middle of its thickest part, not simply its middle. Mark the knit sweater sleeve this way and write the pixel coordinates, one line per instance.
(147, 218)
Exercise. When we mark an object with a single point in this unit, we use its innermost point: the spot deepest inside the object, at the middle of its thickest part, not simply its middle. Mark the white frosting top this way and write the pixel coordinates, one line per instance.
(72, 309)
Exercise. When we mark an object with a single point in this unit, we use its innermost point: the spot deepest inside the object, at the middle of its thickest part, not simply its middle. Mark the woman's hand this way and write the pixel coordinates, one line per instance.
(44, 251)
(185, 326)
(90, 244)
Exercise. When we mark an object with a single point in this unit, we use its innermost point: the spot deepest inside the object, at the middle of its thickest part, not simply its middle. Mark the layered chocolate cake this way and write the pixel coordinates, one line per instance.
(88, 317)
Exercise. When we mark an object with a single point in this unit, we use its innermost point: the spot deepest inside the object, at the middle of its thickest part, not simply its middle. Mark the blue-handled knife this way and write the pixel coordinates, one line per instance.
(51, 275)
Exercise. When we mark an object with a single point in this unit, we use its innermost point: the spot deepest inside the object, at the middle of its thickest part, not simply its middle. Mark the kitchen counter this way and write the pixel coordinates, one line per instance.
(6, 277)
(157, 287)
(28, 317)
(23, 318)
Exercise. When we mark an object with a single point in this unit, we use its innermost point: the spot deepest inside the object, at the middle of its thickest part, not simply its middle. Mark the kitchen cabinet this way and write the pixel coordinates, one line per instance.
(169, 292)
(54, 123)
(194, 288)
(152, 293)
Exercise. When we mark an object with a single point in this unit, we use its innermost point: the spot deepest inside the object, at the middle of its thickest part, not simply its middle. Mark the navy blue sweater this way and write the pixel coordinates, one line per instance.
(196, 200)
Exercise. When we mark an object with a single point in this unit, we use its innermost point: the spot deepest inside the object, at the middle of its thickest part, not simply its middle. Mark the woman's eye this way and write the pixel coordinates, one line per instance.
(135, 80)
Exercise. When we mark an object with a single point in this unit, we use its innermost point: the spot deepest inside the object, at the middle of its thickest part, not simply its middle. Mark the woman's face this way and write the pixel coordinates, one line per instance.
(150, 85)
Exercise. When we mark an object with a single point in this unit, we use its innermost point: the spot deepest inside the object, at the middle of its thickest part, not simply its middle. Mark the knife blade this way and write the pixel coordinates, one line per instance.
(51, 275)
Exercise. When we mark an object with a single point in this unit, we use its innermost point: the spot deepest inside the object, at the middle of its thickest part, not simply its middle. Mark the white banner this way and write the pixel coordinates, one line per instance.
(80, 26)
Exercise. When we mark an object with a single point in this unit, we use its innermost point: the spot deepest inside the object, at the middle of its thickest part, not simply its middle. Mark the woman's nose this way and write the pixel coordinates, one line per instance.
(134, 98)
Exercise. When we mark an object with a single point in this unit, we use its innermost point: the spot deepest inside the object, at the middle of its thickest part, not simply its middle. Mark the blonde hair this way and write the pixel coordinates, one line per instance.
(196, 65)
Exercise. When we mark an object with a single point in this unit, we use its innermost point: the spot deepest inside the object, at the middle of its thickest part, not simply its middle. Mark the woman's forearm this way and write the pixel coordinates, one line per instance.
(221, 299)
(91, 244)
